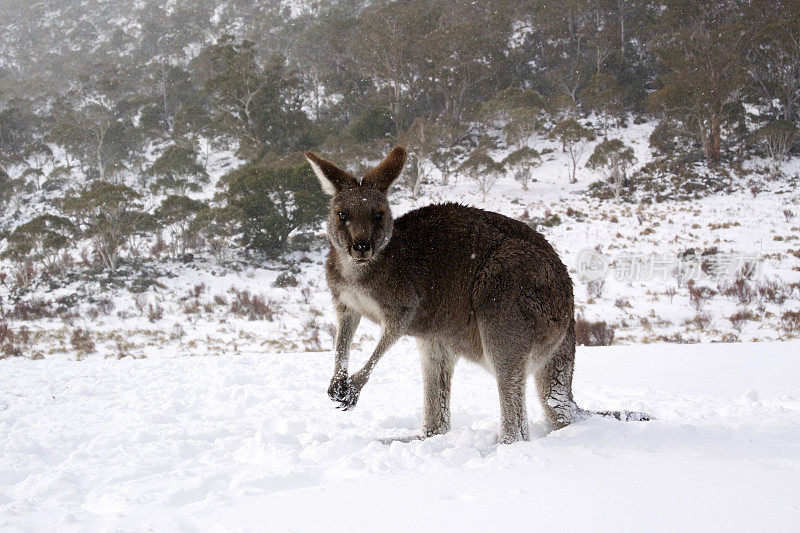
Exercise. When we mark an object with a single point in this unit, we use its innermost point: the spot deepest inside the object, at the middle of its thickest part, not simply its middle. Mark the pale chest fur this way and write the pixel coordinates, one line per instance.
(363, 303)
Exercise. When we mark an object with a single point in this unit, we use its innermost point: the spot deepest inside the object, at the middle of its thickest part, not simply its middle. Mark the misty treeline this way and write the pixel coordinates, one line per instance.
(111, 111)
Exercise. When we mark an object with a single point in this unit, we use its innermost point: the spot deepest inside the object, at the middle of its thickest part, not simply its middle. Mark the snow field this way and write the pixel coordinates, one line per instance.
(251, 442)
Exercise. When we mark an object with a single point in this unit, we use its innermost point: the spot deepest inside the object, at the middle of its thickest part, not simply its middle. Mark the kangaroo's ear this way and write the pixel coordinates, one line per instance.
(332, 178)
(387, 170)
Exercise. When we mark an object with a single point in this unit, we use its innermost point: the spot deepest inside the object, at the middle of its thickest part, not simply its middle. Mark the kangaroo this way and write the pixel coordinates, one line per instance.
(465, 283)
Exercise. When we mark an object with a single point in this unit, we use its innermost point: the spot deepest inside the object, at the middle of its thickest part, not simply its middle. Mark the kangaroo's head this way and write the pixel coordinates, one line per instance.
(360, 223)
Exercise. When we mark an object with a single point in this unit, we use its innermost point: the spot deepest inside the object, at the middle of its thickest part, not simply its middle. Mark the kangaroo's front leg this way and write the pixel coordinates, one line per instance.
(360, 378)
(348, 322)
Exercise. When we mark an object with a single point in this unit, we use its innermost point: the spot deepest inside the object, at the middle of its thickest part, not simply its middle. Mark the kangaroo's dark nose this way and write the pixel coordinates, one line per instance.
(361, 246)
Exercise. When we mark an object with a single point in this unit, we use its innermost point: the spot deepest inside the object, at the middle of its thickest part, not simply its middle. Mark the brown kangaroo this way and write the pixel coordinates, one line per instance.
(464, 282)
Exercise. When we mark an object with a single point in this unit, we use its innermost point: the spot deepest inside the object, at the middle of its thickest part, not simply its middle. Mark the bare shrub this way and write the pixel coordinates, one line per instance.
(739, 318)
(197, 290)
(748, 270)
(122, 350)
(9, 342)
(192, 307)
(622, 303)
(62, 263)
(701, 320)
(285, 279)
(699, 296)
(70, 317)
(312, 330)
(589, 333)
(595, 288)
(141, 304)
(178, 332)
(775, 292)
(32, 309)
(105, 305)
(159, 248)
(81, 341)
(155, 312)
(254, 307)
(790, 323)
(330, 329)
(23, 274)
(305, 294)
(742, 290)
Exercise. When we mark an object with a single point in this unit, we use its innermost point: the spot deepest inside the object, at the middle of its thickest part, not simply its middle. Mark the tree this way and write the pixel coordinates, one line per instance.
(519, 113)
(218, 226)
(465, 57)
(612, 159)
(481, 167)
(17, 132)
(603, 95)
(434, 144)
(775, 59)
(706, 70)
(422, 139)
(259, 106)
(374, 123)
(110, 214)
(389, 54)
(177, 170)
(37, 156)
(522, 161)
(40, 240)
(176, 216)
(777, 137)
(271, 202)
(574, 140)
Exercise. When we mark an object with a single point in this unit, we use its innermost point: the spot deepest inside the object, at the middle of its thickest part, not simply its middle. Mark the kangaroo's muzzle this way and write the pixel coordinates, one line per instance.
(361, 250)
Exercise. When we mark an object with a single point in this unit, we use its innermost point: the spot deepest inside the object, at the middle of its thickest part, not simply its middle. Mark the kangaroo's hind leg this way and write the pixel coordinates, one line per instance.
(437, 372)
(554, 383)
(509, 356)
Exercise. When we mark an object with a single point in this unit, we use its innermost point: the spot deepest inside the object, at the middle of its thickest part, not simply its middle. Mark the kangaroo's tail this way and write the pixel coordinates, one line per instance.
(626, 416)
(554, 384)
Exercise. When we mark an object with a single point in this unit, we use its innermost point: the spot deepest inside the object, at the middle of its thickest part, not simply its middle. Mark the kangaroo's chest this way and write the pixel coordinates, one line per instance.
(363, 303)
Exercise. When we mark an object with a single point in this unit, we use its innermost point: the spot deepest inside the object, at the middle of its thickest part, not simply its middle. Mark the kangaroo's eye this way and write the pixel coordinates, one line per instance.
(342, 216)
(377, 216)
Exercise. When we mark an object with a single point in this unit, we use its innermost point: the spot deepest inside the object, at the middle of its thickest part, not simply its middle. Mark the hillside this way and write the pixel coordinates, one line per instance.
(205, 307)
(155, 199)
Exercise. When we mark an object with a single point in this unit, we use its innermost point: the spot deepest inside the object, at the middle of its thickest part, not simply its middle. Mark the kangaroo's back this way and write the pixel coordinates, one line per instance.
(457, 258)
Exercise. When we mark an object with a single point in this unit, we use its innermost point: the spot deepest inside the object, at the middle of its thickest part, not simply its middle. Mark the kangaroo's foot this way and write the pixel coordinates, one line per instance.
(507, 437)
(432, 431)
(562, 414)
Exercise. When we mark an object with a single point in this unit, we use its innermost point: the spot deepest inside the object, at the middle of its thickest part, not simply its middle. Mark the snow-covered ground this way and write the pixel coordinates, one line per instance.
(250, 442)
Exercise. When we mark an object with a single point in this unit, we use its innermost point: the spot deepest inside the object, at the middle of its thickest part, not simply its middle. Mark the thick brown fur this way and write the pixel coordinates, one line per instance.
(464, 282)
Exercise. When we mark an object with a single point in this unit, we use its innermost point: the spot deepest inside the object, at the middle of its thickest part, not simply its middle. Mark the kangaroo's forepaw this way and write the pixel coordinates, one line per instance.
(339, 387)
(348, 398)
